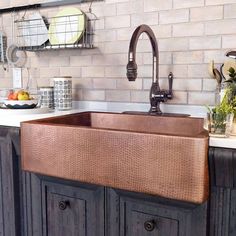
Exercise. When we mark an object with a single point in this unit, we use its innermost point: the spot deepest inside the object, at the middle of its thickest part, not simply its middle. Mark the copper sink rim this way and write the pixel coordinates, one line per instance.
(46, 122)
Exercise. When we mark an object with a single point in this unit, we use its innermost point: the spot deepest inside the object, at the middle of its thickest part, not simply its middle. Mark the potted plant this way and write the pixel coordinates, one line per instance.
(231, 94)
(220, 117)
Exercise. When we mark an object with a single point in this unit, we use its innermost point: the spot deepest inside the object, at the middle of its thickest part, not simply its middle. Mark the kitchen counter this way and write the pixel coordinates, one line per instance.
(223, 142)
(14, 119)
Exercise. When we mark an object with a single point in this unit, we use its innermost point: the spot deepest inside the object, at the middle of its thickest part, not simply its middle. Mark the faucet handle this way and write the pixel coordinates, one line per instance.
(170, 79)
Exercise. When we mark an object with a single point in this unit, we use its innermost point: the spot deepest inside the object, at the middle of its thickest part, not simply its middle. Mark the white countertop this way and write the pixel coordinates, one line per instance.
(229, 142)
(14, 118)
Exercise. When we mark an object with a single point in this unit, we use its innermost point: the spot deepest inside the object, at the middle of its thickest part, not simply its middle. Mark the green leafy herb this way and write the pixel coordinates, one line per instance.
(219, 113)
(232, 75)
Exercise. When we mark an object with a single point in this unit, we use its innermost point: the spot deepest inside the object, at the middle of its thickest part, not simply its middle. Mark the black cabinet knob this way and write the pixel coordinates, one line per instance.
(150, 225)
(63, 205)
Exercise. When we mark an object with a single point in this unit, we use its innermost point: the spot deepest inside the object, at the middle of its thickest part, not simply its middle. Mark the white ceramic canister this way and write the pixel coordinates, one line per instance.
(63, 93)
(46, 97)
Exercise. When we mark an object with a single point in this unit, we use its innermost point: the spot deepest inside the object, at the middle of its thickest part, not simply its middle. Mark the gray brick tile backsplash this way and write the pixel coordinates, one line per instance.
(190, 34)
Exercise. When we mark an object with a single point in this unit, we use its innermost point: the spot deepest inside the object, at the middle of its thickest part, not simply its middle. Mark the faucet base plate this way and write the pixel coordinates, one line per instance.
(155, 114)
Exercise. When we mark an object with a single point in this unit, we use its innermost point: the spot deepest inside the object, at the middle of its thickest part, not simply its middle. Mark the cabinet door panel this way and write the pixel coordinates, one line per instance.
(66, 215)
(141, 224)
(135, 214)
(76, 210)
(142, 220)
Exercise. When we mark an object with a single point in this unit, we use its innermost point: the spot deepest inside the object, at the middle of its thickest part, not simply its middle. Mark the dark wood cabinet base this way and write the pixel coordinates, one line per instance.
(73, 208)
(222, 216)
(33, 205)
(11, 222)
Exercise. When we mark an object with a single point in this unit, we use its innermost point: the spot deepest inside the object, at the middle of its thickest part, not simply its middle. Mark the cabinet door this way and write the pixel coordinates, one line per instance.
(63, 208)
(135, 214)
(65, 215)
(73, 211)
(140, 223)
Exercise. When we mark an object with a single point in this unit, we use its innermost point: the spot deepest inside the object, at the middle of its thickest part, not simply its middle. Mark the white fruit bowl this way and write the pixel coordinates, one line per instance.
(20, 104)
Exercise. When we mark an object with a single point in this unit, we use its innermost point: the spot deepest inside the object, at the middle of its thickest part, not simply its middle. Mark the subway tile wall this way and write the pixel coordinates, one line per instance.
(190, 33)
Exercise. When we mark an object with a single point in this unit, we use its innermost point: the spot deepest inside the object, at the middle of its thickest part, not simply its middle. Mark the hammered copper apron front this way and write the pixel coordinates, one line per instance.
(166, 165)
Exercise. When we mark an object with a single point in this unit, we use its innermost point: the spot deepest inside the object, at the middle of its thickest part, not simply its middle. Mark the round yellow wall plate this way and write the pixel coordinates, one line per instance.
(67, 27)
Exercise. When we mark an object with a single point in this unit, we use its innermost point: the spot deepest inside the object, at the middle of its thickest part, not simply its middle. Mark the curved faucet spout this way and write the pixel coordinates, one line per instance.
(156, 94)
(132, 66)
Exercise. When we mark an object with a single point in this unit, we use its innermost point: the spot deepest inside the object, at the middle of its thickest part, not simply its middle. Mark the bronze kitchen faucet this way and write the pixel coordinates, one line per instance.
(156, 94)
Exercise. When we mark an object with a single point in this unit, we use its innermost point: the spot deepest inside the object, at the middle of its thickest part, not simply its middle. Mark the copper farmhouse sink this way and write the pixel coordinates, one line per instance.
(164, 156)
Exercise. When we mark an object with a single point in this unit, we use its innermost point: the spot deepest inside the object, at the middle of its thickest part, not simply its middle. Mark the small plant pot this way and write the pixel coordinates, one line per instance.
(219, 124)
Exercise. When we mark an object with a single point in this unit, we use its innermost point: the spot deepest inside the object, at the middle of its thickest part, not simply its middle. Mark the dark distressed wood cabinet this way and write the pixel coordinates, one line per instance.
(34, 205)
(223, 192)
(69, 208)
(11, 222)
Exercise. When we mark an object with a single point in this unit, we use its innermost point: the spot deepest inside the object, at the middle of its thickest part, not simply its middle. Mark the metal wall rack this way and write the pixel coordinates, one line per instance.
(22, 35)
(27, 31)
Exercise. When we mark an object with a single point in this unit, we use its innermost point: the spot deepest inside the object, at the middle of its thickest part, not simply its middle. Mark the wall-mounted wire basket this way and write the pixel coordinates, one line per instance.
(33, 34)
